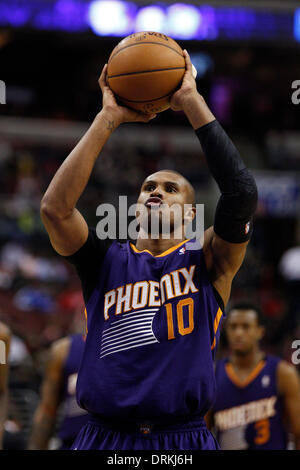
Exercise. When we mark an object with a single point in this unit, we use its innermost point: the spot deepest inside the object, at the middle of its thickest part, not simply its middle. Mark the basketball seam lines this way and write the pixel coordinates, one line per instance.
(145, 101)
(144, 42)
(145, 71)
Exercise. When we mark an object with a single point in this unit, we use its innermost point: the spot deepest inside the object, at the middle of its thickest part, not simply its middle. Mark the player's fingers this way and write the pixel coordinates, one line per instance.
(102, 79)
(188, 62)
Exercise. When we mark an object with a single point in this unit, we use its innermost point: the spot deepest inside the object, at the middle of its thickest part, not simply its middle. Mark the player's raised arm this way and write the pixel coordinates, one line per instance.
(225, 243)
(65, 225)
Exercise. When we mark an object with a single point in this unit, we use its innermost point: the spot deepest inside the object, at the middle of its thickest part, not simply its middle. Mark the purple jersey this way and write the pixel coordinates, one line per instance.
(248, 415)
(74, 418)
(153, 326)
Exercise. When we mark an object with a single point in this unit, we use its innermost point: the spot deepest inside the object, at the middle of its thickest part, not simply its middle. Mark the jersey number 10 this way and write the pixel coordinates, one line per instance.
(183, 330)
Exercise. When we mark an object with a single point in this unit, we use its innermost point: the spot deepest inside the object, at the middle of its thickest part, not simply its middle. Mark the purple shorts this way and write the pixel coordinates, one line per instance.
(190, 435)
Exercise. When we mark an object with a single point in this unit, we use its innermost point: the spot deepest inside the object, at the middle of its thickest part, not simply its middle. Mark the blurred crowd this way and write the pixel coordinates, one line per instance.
(36, 284)
(40, 294)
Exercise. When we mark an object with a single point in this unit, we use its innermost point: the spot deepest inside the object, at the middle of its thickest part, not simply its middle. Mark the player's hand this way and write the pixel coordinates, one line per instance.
(188, 89)
(118, 114)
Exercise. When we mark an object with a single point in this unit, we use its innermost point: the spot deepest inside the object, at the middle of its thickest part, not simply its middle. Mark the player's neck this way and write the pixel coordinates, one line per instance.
(156, 246)
(246, 362)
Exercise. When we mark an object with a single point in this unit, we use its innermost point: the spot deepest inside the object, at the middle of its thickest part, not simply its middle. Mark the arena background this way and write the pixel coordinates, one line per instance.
(51, 54)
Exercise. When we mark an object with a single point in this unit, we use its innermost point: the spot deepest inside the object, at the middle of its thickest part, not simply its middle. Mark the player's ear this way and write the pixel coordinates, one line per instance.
(189, 212)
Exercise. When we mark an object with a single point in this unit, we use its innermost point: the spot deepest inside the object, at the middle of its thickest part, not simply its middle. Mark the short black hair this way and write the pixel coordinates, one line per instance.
(247, 305)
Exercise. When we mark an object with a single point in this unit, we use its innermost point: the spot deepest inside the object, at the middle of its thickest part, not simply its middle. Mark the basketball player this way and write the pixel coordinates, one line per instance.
(5, 337)
(59, 387)
(258, 395)
(154, 308)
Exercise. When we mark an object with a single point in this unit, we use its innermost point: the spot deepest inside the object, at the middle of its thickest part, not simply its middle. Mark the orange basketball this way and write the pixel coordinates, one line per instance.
(144, 70)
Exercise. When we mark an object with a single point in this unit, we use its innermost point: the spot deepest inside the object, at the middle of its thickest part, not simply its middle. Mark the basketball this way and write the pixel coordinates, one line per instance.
(144, 70)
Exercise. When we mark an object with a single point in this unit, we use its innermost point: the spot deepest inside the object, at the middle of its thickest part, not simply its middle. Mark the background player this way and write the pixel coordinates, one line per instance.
(5, 340)
(59, 389)
(258, 395)
(137, 383)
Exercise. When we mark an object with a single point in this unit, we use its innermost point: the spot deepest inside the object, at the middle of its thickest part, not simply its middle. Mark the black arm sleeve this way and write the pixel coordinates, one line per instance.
(238, 201)
(88, 260)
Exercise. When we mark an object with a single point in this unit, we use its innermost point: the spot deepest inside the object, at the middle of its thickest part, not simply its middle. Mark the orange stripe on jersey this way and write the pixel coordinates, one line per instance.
(243, 383)
(85, 314)
(173, 248)
(216, 325)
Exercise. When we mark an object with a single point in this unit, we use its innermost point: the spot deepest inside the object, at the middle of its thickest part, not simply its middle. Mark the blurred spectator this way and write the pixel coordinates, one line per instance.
(289, 268)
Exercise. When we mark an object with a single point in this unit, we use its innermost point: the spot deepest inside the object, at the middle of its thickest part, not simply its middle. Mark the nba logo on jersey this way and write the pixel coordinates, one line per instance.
(265, 381)
(182, 250)
(145, 428)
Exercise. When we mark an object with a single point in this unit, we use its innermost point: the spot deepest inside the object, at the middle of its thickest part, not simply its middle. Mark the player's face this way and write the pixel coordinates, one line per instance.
(243, 331)
(163, 195)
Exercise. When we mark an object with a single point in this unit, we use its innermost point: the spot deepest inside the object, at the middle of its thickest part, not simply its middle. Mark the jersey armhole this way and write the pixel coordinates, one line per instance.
(219, 299)
(216, 294)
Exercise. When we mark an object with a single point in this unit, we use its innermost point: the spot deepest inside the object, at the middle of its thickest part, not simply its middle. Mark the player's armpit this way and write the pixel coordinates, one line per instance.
(223, 260)
(288, 383)
(66, 234)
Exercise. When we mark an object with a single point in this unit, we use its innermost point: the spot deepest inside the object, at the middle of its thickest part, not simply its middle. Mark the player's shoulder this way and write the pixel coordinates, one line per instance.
(285, 368)
(99, 245)
(92, 251)
(275, 362)
(286, 375)
(5, 332)
(56, 358)
(60, 348)
(97, 240)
